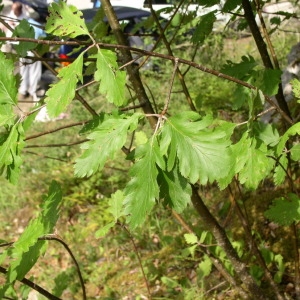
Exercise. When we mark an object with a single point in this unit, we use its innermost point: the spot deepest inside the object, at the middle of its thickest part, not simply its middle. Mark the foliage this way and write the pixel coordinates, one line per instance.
(182, 151)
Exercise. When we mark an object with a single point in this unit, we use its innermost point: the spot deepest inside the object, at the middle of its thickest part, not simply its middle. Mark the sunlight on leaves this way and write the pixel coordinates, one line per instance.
(61, 94)
(65, 20)
(202, 150)
(112, 80)
(104, 141)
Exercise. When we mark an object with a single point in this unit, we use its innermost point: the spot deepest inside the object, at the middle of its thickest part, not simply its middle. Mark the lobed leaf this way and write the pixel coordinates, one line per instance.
(252, 161)
(65, 20)
(61, 94)
(27, 249)
(204, 28)
(112, 79)
(8, 82)
(174, 189)
(203, 152)
(284, 211)
(11, 145)
(104, 141)
(143, 189)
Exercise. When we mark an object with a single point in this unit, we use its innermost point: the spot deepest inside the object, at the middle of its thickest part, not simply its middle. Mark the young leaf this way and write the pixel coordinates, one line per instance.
(112, 79)
(60, 95)
(284, 211)
(65, 20)
(174, 189)
(203, 152)
(204, 28)
(190, 238)
(142, 190)
(104, 141)
(8, 81)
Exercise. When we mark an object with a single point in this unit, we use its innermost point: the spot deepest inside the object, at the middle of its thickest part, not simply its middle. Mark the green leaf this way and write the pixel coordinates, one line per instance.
(295, 152)
(112, 79)
(280, 170)
(230, 5)
(60, 95)
(104, 230)
(204, 28)
(142, 190)
(24, 30)
(7, 115)
(203, 151)
(205, 267)
(284, 211)
(281, 268)
(240, 70)
(27, 249)
(116, 205)
(267, 133)
(252, 161)
(65, 20)
(296, 87)
(295, 129)
(11, 145)
(191, 238)
(8, 81)
(269, 81)
(104, 141)
(207, 3)
(174, 189)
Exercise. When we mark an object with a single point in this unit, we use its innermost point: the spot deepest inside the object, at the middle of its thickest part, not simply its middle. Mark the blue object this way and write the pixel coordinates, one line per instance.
(97, 3)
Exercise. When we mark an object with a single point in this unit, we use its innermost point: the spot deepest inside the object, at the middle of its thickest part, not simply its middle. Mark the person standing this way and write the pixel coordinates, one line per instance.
(31, 71)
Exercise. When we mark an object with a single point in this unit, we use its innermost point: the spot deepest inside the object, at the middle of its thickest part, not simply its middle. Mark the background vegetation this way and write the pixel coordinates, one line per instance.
(171, 253)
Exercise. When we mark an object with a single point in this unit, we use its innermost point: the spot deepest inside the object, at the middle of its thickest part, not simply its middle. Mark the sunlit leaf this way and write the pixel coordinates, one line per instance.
(61, 94)
(112, 80)
(8, 82)
(65, 20)
(143, 189)
(27, 249)
(203, 151)
(104, 141)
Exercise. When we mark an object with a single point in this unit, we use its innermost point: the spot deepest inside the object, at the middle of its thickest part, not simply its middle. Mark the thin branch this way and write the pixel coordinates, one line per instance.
(34, 286)
(45, 156)
(55, 130)
(164, 111)
(57, 145)
(55, 237)
(138, 257)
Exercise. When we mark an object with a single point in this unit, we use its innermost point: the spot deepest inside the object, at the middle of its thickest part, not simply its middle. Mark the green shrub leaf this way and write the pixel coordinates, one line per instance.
(65, 20)
(143, 189)
(104, 141)
(203, 152)
(204, 28)
(284, 211)
(112, 79)
(60, 95)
